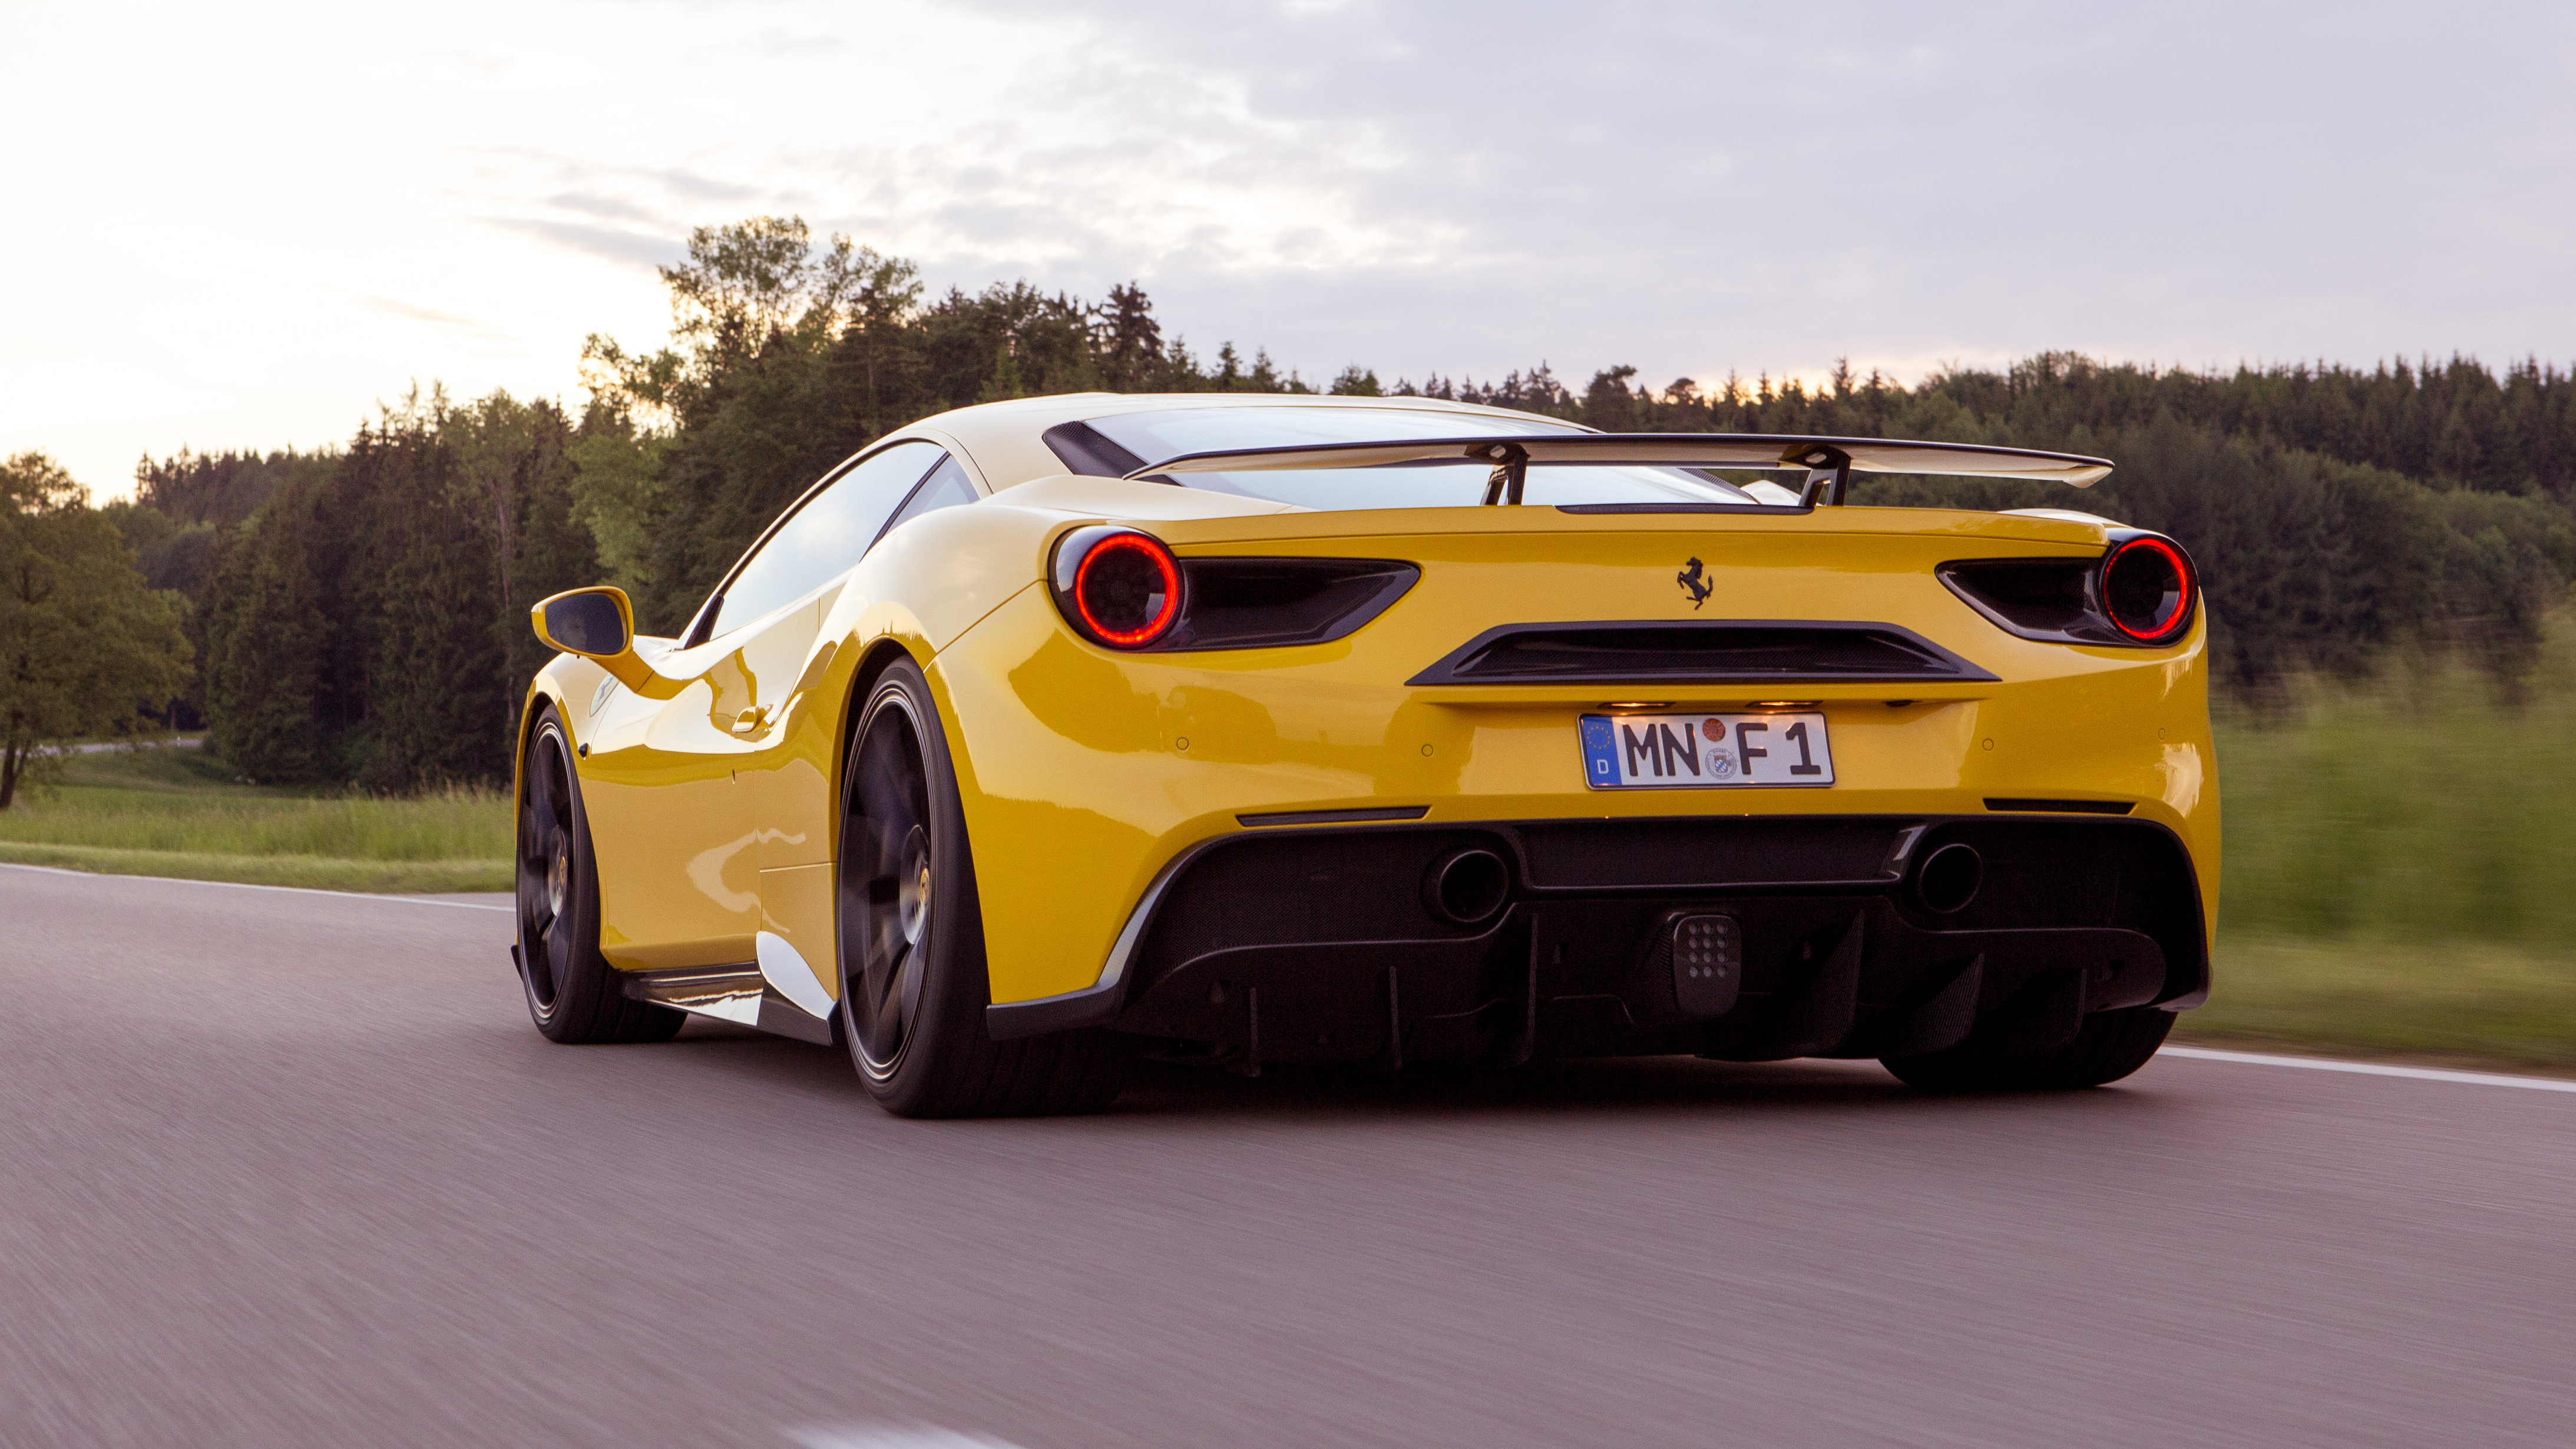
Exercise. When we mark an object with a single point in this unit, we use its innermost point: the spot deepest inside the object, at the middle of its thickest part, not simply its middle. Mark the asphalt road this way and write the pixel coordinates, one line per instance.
(285, 1169)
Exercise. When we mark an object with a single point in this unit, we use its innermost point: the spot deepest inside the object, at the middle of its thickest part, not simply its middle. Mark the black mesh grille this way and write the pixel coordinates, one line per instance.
(1766, 651)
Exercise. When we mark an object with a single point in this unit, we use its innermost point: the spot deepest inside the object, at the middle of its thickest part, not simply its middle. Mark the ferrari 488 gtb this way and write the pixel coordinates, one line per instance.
(1240, 729)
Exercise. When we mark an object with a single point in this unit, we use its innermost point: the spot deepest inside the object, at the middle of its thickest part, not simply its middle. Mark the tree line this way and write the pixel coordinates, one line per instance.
(359, 615)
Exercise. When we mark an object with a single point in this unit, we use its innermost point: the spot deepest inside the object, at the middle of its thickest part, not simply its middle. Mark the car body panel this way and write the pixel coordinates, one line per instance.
(658, 786)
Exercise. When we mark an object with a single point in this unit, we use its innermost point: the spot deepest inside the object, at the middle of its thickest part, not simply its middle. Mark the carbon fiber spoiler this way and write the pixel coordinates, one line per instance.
(1828, 462)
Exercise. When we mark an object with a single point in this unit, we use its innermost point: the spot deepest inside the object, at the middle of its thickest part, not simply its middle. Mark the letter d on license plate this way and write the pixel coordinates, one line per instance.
(1704, 751)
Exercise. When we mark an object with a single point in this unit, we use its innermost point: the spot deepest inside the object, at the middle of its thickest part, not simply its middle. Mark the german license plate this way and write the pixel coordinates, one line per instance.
(1704, 751)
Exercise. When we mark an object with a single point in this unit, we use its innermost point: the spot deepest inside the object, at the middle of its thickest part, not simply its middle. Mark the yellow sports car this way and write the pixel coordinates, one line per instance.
(1237, 729)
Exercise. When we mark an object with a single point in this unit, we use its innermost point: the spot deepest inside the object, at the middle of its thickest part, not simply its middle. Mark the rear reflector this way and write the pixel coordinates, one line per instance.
(1708, 963)
(2063, 807)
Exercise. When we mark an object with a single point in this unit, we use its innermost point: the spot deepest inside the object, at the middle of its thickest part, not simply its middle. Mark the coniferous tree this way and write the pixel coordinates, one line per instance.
(265, 636)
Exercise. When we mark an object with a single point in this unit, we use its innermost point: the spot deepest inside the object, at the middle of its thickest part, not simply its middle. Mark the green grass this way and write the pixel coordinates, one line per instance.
(2472, 1003)
(2400, 866)
(175, 812)
(2415, 807)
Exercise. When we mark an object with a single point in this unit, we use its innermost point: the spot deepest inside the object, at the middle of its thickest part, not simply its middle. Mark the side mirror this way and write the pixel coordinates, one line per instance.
(595, 623)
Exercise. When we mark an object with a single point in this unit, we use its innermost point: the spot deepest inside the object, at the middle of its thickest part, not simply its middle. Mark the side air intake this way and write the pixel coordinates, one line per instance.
(1715, 651)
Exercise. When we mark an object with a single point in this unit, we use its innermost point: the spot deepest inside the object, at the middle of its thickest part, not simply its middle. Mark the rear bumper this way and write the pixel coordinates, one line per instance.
(1085, 776)
(1318, 943)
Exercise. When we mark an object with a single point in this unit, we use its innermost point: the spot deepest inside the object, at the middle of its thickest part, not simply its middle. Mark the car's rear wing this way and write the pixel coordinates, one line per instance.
(1828, 462)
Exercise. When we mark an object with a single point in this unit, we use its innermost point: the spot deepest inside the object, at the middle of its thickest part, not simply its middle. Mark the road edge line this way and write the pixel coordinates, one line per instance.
(2370, 1069)
(243, 885)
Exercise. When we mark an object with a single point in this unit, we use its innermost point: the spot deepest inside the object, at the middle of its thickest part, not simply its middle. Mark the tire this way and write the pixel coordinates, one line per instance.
(2109, 1046)
(911, 929)
(572, 990)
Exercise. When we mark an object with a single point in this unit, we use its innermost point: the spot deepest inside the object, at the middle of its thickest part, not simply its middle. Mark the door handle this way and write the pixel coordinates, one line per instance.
(751, 720)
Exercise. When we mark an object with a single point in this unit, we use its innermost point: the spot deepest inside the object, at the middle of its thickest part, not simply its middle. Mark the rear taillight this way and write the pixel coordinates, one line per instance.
(1123, 589)
(2141, 592)
(2146, 589)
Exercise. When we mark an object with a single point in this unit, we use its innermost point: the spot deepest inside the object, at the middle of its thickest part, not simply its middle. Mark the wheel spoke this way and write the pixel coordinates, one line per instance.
(888, 982)
(885, 960)
(884, 975)
(535, 866)
(533, 829)
(541, 784)
(881, 782)
(558, 948)
(906, 996)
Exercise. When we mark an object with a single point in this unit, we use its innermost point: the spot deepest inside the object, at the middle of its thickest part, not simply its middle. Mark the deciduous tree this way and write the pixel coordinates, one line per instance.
(85, 646)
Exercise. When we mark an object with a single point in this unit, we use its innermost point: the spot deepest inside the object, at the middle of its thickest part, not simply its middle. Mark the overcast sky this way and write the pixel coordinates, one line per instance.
(241, 226)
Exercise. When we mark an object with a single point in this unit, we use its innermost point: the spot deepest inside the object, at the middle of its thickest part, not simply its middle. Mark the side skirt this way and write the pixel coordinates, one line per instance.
(739, 994)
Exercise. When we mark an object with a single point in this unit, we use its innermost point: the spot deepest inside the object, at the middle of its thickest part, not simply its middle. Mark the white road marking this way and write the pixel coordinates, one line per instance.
(2372, 1069)
(893, 1436)
(245, 886)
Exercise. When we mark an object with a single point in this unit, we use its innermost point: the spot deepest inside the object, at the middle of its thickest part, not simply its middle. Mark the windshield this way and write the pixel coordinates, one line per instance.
(1154, 437)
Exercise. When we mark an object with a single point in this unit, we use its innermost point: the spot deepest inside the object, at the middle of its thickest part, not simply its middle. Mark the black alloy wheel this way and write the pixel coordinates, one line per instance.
(572, 991)
(913, 981)
(545, 868)
(889, 887)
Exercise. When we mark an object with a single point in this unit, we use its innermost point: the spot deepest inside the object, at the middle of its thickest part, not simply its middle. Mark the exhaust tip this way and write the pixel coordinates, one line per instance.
(1467, 886)
(1949, 879)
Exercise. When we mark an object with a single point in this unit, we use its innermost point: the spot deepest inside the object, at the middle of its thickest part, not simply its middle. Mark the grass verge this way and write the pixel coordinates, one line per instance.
(2468, 1003)
(2415, 806)
(2398, 849)
(175, 812)
(314, 872)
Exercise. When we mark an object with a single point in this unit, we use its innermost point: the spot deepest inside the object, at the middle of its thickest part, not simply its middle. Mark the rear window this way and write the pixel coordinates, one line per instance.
(1156, 437)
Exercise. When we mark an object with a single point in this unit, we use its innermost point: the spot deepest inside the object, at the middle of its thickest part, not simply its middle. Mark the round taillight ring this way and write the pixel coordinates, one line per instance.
(2148, 589)
(1125, 588)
